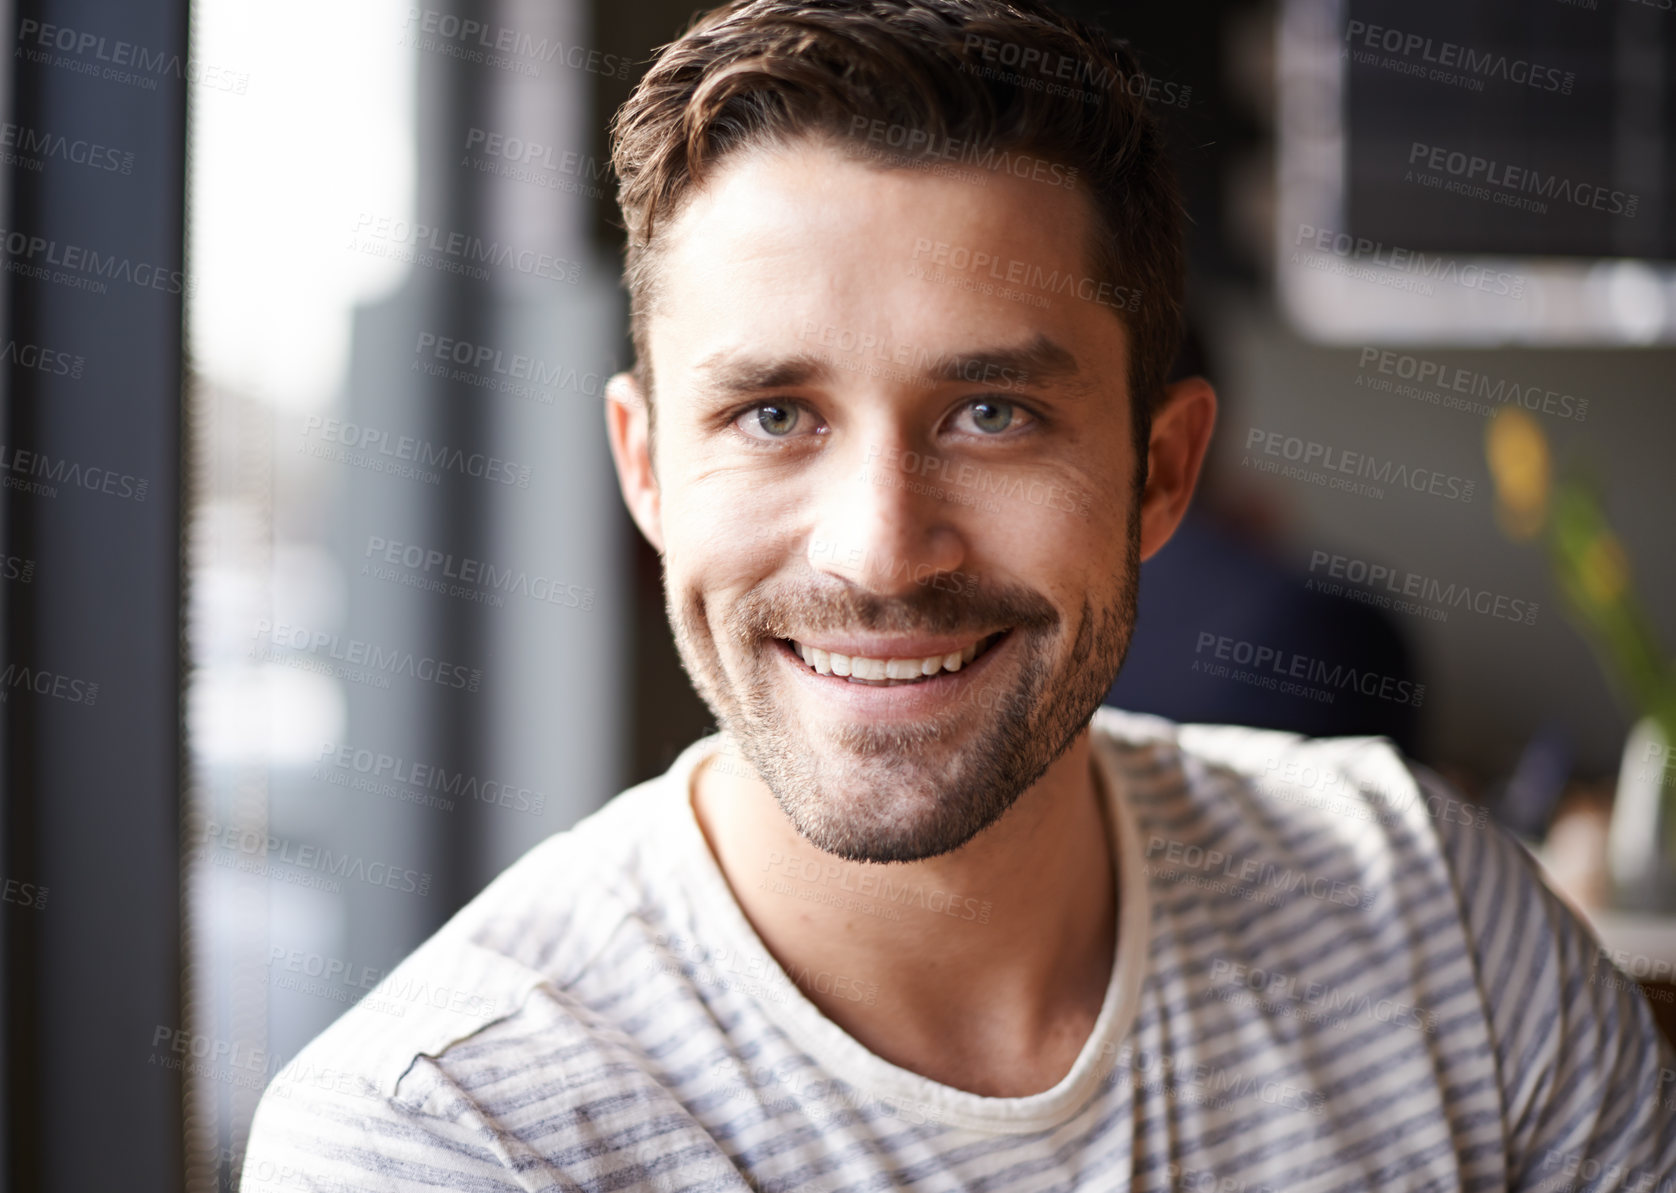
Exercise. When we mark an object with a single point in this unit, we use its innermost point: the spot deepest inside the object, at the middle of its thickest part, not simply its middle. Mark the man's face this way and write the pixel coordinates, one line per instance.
(876, 445)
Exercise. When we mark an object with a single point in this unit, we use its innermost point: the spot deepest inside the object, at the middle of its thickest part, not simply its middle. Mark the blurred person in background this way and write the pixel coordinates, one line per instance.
(906, 280)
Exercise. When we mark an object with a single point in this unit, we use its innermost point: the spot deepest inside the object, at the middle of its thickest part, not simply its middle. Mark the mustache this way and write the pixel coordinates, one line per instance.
(781, 609)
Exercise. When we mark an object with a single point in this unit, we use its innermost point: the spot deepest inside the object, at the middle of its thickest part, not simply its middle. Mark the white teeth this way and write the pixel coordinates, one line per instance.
(898, 670)
(861, 668)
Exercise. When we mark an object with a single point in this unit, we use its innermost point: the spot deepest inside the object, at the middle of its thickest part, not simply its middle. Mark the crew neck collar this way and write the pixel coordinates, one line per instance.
(841, 1056)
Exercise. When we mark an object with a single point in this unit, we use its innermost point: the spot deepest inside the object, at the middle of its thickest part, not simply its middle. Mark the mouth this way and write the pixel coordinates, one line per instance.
(895, 671)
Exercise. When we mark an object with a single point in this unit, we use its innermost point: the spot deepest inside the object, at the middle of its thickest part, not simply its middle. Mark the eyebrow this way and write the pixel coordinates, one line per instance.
(730, 372)
(740, 372)
(1041, 359)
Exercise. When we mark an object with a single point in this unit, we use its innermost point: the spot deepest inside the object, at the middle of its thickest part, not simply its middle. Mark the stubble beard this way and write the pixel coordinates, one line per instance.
(891, 793)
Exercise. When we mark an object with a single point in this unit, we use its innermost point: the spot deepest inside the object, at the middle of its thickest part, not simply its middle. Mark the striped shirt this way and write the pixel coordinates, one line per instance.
(1330, 974)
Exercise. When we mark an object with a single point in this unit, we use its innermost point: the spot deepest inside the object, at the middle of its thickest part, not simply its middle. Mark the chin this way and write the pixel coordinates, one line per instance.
(892, 795)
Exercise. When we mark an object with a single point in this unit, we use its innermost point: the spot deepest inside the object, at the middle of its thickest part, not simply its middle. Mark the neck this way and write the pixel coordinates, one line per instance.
(991, 969)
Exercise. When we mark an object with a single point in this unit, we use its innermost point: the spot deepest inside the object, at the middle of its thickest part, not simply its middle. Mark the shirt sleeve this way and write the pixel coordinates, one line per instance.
(337, 1133)
(1588, 1082)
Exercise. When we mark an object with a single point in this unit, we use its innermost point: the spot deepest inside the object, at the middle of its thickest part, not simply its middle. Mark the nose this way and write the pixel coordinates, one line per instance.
(887, 524)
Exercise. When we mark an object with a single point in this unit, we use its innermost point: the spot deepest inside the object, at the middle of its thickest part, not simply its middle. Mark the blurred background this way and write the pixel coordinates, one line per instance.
(320, 606)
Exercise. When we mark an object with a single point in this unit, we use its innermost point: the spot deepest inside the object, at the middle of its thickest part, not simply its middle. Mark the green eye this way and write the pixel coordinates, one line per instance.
(776, 420)
(992, 416)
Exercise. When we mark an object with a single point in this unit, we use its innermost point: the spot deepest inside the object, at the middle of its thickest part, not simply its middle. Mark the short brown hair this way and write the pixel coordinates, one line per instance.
(776, 71)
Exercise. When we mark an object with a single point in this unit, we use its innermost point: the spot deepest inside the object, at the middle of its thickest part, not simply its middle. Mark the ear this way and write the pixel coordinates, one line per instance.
(627, 425)
(1180, 437)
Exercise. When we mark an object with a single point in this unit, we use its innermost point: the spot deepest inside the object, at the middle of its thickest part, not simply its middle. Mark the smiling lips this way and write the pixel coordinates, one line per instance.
(888, 671)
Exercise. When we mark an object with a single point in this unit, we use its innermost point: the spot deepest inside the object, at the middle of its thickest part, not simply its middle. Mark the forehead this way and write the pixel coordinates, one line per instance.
(784, 246)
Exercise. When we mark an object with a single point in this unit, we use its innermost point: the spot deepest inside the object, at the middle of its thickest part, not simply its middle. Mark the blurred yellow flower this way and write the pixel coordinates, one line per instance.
(1519, 465)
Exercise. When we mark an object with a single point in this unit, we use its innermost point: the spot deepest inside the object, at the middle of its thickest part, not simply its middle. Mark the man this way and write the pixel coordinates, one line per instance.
(906, 279)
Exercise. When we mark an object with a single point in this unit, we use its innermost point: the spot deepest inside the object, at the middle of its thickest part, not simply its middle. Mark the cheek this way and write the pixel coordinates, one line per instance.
(707, 517)
(715, 551)
(1070, 542)
(1063, 517)
(737, 522)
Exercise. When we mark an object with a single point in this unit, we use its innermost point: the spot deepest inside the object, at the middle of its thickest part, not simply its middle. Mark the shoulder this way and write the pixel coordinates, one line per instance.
(1233, 822)
(1360, 791)
(539, 925)
(1452, 908)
